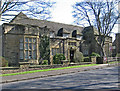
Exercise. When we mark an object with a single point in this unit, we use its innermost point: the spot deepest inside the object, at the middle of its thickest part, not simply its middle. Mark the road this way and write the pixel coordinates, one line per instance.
(106, 78)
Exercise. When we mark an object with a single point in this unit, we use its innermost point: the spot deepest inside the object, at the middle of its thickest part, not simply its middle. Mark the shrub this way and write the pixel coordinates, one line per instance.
(45, 62)
(87, 59)
(96, 59)
(57, 58)
(95, 54)
(78, 57)
(3, 62)
(118, 55)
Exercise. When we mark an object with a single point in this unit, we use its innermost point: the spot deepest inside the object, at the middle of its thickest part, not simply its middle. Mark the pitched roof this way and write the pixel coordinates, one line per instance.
(18, 17)
(64, 31)
(91, 28)
(23, 19)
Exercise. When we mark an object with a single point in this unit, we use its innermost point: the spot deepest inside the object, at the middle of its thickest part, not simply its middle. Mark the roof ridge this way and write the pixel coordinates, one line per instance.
(55, 22)
(21, 13)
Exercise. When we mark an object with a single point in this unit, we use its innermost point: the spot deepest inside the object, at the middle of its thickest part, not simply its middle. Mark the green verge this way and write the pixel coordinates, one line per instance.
(114, 62)
(26, 72)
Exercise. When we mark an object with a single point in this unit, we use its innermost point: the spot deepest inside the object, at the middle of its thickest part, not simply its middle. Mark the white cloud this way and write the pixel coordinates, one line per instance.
(62, 11)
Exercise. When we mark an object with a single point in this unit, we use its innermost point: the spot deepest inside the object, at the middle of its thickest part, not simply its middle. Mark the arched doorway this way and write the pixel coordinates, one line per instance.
(71, 55)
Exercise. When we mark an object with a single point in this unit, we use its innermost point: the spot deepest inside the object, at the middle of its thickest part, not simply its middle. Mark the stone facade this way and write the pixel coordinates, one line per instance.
(89, 45)
(116, 45)
(22, 39)
(15, 43)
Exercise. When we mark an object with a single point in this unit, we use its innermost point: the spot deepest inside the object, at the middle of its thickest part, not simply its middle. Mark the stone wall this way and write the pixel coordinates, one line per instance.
(108, 46)
(11, 48)
(11, 41)
(117, 43)
(64, 47)
(55, 43)
(90, 43)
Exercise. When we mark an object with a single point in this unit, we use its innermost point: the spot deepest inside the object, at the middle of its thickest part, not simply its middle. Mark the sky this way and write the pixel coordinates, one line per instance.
(62, 13)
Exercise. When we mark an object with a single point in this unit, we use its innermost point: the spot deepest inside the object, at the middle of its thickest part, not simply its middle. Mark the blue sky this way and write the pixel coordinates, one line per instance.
(62, 12)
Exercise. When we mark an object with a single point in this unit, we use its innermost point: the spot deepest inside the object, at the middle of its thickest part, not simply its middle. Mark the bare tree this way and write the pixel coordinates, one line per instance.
(103, 15)
(33, 8)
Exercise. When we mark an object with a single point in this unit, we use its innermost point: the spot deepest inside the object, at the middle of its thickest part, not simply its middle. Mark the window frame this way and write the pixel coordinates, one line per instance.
(32, 40)
(55, 51)
(34, 48)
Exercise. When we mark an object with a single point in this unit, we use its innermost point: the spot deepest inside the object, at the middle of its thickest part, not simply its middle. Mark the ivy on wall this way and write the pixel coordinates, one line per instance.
(44, 48)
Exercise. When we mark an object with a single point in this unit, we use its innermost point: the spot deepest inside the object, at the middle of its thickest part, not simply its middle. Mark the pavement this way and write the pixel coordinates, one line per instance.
(14, 78)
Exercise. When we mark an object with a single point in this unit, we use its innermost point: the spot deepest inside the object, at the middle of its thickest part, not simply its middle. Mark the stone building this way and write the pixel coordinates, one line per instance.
(90, 42)
(21, 40)
(116, 44)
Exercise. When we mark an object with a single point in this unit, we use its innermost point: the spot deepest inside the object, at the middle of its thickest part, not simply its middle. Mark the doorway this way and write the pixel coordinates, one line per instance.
(71, 55)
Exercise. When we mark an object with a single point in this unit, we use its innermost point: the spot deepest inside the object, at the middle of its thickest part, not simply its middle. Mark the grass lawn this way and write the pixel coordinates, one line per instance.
(48, 69)
(114, 62)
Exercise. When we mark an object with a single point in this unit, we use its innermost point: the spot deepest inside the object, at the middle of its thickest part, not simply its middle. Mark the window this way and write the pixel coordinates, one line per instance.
(21, 45)
(65, 35)
(21, 54)
(26, 46)
(51, 34)
(55, 51)
(30, 40)
(34, 54)
(21, 48)
(79, 37)
(34, 46)
(114, 47)
(72, 43)
(34, 40)
(85, 52)
(26, 54)
(26, 39)
(30, 48)
(21, 40)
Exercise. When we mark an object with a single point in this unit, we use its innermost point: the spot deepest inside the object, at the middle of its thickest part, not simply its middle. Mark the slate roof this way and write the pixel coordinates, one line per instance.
(23, 19)
(64, 31)
(91, 28)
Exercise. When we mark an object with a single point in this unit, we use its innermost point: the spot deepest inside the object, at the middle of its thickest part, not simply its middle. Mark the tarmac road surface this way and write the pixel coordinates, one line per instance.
(107, 78)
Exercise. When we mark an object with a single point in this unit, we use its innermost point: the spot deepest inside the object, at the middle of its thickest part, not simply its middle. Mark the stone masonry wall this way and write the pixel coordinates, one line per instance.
(11, 48)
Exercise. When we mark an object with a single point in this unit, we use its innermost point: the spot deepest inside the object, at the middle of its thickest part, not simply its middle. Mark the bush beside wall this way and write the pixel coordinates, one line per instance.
(3, 62)
(95, 54)
(87, 59)
(45, 62)
(78, 57)
(57, 58)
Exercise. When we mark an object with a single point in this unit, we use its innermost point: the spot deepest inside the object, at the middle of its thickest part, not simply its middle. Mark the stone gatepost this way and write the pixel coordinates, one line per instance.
(93, 59)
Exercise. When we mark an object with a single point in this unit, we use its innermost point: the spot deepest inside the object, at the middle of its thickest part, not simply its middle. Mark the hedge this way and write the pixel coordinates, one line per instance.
(57, 58)
(3, 62)
(95, 54)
